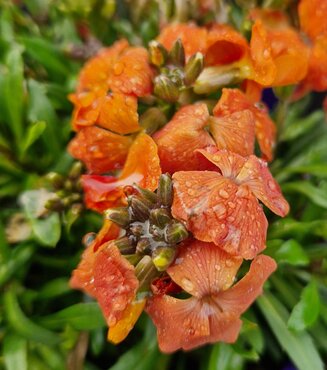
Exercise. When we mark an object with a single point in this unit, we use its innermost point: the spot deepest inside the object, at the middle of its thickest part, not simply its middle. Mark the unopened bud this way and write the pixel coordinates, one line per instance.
(162, 257)
(136, 228)
(175, 233)
(152, 119)
(177, 53)
(140, 208)
(147, 195)
(119, 216)
(55, 179)
(143, 246)
(158, 54)
(76, 171)
(68, 185)
(145, 272)
(54, 204)
(165, 89)
(125, 245)
(160, 217)
(193, 68)
(165, 190)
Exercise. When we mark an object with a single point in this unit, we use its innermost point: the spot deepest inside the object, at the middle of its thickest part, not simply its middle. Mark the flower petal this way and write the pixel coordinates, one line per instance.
(317, 74)
(189, 323)
(234, 132)
(312, 15)
(115, 283)
(131, 73)
(224, 45)
(100, 150)
(179, 139)
(194, 38)
(256, 175)
(237, 299)
(118, 113)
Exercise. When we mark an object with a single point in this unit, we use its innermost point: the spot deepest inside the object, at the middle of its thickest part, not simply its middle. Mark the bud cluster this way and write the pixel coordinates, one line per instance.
(149, 226)
(175, 74)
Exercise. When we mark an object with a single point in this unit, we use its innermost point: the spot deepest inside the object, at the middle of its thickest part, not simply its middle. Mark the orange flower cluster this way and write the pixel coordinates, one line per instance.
(218, 183)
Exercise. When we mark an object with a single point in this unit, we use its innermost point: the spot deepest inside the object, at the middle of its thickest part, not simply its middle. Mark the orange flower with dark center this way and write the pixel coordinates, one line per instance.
(212, 313)
(141, 167)
(223, 208)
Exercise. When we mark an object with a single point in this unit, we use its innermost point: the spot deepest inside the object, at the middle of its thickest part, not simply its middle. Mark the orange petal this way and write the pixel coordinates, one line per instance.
(237, 299)
(317, 74)
(95, 73)
(234, 132)
(224, 45)
(115, 283)
(118, 113)
(202, 269)
(312, 14)
(189, 323)
(121, 329)
(253, 91)
(234, 100)
(101, 151)
(271, 18)
(194, 38)
(216, 210)
(131, 73)
(109, 231)
(179, 139)
(256, 175)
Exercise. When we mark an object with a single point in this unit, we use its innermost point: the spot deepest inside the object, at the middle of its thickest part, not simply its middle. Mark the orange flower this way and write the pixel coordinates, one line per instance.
(312, 16)
(223, 207)
(233, 100)
(212, 313)
(100, 150)
(141, 167)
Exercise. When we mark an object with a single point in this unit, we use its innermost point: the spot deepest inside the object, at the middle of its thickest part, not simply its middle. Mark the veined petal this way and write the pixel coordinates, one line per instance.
(101, 151)
(189, 323)
(234, 132)
(109, 231)
(115, 283)
(256, 175)
(238, 298)
(179, 139)
(224, 45)
(312, 14)
(118, 113)
(202, 269)
(131, 73)
(194, 38)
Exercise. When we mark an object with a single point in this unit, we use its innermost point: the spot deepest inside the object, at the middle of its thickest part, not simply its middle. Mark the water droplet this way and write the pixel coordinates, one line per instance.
(187, 284)
(118, 68)
(271, 185)
(223, 193)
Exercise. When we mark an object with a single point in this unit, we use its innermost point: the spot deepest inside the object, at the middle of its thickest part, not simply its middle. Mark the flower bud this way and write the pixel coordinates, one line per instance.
(136, 228)
(158, 54)
(76, 171)
(125, 245)
(56, 180)
(54, 204)
(119, 216)
(147, 195)
(162, 257)
(145, 271)
(165, 89)
(143, 246)
(152, 119)
(160, 217)
(175, 233)
(165, 190)
(193, 68)
(177, 53)
(140, 208)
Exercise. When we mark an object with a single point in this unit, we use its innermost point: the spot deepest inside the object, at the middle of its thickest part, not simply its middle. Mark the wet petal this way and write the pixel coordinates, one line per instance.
(216, 210)
(115, 283)
(190, 323)
(100, 150)
(271, 18)
(202, 268)
(118, 332)
(234, 132)
(224, 45)
(317, 74)
(194, 38)
(256, 175)
(131, 73)
(118, 113)
(179, 139)
(109, 231)
(237, 299)
(312, 15)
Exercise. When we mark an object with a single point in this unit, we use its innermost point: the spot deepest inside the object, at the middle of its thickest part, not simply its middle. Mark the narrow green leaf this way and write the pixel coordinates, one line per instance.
(306, 311)
(33, 133)
(223, 357)
(15, 352)
(81, 316)
(316, 195)
(292, 253)
(24, 326)
(299, 346)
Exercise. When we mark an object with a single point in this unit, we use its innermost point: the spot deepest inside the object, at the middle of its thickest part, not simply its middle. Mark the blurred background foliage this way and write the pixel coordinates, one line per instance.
(44, 325)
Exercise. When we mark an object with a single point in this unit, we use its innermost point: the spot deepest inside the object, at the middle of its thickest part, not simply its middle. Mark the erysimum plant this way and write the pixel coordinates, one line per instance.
(195, 125)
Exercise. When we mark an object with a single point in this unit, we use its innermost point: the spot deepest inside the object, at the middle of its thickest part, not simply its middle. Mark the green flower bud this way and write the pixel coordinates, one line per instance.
(119, 216)
(165, 190)
(158, 54)
(165, 89)
(140, 208)
(162, 257)
(56, 180)
(152, 120)
(175, 233)
(160, 217)
(177, 53)
(193, 68)
(125, 245)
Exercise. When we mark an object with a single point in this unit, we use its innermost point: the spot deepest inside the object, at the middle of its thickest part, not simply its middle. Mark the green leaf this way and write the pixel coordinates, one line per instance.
(33, 133)
(23, 325)
(47, 230)
(316, 195)
(81, 316)
(299, 346)
(223, 357)
(292, 253)
(306, 311)
(15, 352)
